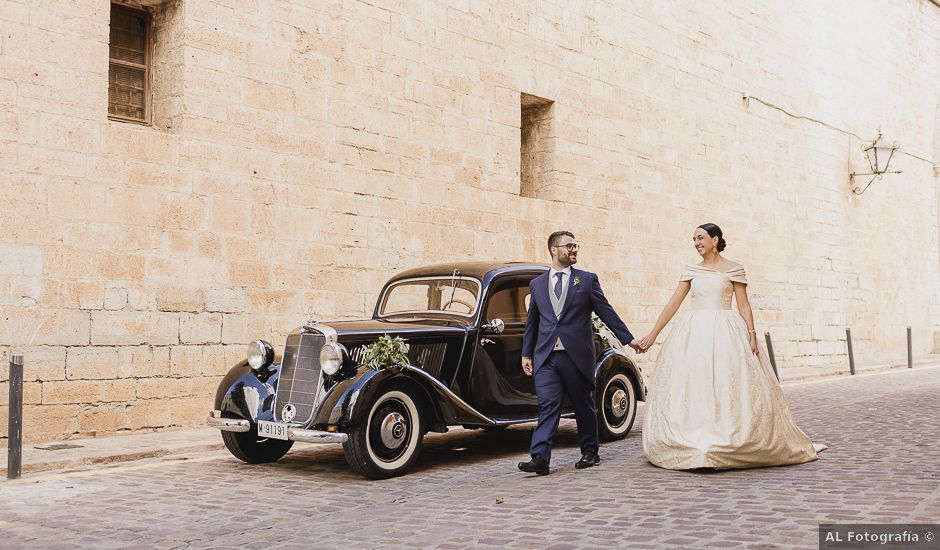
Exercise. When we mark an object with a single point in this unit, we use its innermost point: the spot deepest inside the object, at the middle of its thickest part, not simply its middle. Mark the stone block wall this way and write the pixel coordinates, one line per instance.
(301, 152)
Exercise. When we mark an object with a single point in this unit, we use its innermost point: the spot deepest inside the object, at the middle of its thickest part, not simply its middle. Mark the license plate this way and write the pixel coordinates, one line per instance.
(274, 430)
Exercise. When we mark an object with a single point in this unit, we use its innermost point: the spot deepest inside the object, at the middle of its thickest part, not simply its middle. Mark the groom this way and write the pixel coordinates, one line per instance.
(560, 339)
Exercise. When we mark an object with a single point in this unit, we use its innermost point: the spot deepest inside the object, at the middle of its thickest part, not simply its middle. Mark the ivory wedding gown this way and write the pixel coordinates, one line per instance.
(713, 403)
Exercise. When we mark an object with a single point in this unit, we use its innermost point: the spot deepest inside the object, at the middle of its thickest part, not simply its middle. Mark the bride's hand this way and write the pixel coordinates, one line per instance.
(647, 342)
(754, 349)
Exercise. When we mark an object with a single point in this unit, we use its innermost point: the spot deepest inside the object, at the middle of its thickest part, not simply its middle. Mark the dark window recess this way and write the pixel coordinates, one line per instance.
(129, 65)
(537, 162)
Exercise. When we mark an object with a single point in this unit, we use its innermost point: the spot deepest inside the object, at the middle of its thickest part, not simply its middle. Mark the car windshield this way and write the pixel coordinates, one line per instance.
(451, 295)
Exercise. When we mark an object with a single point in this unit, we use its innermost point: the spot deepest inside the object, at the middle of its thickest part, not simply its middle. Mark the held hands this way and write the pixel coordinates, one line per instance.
(637, 346)
(645, 343)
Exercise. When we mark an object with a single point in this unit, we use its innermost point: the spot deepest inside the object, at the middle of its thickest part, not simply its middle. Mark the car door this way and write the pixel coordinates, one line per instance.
(498, 386)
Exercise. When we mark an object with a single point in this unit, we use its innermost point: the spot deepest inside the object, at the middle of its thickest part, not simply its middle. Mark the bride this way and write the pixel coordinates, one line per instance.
(714, 401)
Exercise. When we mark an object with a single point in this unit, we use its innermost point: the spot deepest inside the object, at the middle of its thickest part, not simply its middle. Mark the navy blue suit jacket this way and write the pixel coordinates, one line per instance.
(574, 328)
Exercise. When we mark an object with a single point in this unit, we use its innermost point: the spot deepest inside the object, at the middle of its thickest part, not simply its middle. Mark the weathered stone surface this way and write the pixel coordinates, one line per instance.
(202, 328)
(31, 326)
(87, 391)
(40, 363)
(115, 298)
(297, 157)
(172, 298)
(118, 328)
(95, 363)
(225, 299)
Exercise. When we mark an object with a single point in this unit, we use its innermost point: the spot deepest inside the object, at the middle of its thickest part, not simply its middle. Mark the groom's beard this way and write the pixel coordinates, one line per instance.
(568, 260)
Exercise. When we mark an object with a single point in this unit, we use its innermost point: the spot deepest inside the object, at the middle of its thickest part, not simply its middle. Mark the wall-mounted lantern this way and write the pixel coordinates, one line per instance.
(879, 154)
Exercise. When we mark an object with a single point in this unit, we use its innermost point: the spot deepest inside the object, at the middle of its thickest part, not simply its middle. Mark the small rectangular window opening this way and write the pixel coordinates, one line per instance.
(537, 168)
(129, 65)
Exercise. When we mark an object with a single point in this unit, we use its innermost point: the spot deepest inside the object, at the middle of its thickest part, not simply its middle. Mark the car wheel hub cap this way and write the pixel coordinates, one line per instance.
(393, 430)
(618, 403)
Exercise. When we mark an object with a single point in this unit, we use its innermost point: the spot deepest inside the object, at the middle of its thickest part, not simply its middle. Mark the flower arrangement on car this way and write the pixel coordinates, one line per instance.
(386, 352)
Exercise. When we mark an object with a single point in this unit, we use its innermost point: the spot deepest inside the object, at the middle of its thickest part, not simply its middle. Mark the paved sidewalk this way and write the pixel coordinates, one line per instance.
(83, 453)
(79, 453)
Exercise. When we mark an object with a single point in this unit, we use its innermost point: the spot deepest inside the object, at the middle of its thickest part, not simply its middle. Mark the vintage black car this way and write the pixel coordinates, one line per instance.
(464, 324)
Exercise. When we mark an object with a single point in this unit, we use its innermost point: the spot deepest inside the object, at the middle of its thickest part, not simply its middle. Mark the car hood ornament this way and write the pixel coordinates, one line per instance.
(311, 319)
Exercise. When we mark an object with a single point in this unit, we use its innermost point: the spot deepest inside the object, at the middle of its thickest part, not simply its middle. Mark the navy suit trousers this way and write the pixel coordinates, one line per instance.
(553, 379)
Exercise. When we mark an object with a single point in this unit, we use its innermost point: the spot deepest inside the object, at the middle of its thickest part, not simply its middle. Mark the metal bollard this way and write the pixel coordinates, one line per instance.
(910, 350)
(15, 431)
(770, 352)
(848, 342)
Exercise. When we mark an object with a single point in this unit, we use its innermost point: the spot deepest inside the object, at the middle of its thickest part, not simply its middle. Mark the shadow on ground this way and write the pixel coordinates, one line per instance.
(459, 447)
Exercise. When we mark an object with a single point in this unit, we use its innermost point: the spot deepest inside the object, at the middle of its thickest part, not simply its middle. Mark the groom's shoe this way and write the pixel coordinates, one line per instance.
(537, 465)
(587, 461)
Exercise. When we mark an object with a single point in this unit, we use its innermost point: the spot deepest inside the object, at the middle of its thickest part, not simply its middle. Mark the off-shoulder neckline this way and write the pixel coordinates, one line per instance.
(729, 270)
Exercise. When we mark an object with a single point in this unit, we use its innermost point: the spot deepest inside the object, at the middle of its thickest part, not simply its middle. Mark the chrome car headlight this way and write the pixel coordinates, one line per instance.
(260, 354)
(331, 358)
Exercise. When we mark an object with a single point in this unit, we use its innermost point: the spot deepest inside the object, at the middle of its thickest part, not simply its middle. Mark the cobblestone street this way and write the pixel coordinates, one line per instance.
(882, 467)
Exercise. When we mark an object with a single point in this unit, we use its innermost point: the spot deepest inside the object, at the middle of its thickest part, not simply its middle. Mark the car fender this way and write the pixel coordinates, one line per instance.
(242, 394)
(348, 402)
(612, 360)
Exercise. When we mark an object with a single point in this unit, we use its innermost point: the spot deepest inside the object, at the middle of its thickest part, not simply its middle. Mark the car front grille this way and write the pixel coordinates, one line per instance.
(300, 382)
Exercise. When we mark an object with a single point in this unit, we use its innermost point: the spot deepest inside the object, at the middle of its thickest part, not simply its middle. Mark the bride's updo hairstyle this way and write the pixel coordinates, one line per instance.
(714, 231)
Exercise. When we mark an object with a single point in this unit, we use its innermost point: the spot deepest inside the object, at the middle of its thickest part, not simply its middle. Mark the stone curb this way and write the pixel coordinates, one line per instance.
(843, 370)
(800, 377)
(114, 449)
(71, 464)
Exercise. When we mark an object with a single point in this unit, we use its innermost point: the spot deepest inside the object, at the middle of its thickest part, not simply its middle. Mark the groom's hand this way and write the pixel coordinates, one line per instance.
(635, 344)
(527, 366)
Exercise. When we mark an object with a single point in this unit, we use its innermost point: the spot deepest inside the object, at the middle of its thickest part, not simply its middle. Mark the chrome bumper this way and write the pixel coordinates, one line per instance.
(215, 420)
(315, 436)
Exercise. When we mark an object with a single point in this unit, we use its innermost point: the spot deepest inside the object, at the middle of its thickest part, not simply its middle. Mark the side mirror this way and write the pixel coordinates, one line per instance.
(495, 326)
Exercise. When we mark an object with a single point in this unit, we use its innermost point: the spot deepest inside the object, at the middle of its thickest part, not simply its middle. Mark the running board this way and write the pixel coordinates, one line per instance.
(482, 419)
(514, 421)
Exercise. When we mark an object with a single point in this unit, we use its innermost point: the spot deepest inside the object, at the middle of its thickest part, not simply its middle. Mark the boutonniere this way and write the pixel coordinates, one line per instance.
(577, 280)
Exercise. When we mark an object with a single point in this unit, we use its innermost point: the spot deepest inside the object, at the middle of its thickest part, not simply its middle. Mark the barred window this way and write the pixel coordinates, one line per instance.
(129, 65)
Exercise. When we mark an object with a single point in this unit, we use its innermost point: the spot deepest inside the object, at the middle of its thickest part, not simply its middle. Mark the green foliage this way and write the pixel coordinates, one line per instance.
(385, 352)
(608, 340)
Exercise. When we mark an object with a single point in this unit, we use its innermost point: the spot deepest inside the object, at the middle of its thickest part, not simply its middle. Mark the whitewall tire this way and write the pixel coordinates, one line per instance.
(389, 439)
(616, 404)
